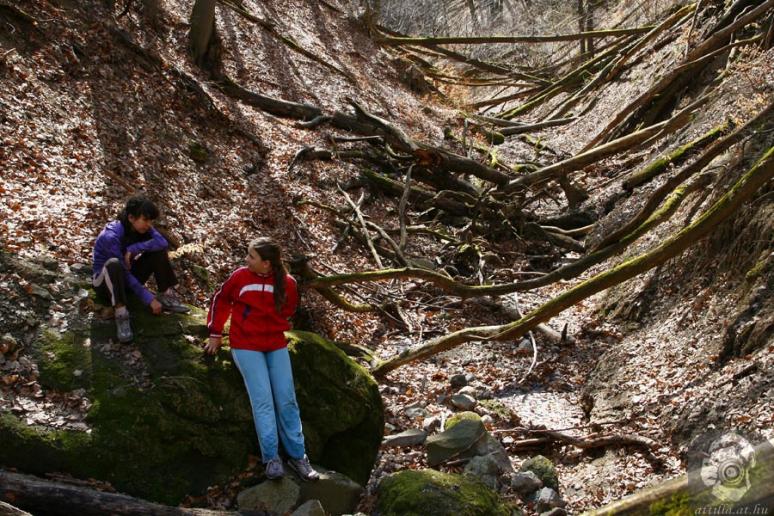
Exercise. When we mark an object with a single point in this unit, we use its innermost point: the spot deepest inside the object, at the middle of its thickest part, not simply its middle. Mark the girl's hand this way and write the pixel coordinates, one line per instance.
(213, 344)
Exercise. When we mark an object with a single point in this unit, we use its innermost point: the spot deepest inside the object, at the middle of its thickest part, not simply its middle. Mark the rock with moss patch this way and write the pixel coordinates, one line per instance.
(337, 493)
(274, 496)
(310, 508)
(432, 493)
(544, 469)
(167, 421)
(461, 434)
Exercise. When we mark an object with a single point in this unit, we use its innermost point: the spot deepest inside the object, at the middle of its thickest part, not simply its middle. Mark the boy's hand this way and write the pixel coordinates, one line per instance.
(128, 260)
(155, 306)
(213, 344)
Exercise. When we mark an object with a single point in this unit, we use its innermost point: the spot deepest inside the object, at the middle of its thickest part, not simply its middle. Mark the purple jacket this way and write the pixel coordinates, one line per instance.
(111, 243)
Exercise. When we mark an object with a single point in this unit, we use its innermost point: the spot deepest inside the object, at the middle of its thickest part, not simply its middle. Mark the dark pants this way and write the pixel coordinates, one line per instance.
(111, 283)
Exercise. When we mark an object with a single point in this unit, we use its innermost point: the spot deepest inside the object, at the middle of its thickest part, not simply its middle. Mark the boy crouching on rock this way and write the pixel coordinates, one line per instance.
(126, 253)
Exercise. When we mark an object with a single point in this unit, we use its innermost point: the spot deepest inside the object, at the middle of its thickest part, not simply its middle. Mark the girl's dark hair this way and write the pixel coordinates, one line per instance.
(138, 206)
(268, 250)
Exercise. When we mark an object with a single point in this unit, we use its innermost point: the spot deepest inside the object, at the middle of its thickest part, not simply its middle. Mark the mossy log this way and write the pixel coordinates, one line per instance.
(586, 158)
(528, 128)
(702, 161)
(688, 494)
(675, 157)
(511, 39)
(566, 272)
(719, 38)
(58, 498)
(742, 191)
(677, 17)
(571, 78)
(631, 113)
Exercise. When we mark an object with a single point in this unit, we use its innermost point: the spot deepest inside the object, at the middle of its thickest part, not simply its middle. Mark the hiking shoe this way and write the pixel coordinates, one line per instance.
(274, 469)
(123, 328)
(171, 303)
(303, 468)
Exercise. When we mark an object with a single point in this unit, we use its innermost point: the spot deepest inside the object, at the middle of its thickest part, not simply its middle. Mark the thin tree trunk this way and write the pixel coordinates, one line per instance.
(202, 30)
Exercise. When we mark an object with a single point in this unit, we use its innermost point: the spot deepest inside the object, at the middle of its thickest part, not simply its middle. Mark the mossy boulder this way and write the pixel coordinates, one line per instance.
(462, 432)
(432, 493)
(544, 469)
(167, 421)
(341, 408)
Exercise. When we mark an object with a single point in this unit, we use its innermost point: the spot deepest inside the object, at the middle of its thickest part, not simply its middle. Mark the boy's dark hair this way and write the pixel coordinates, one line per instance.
(139, 206)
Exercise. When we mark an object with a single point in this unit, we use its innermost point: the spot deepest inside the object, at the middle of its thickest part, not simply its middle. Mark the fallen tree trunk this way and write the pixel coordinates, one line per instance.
(743, 190)
(584, 159)
(702, 161)
(688, 494)
(58, 498)
(391, 40)
(677, 156)
(629, 113)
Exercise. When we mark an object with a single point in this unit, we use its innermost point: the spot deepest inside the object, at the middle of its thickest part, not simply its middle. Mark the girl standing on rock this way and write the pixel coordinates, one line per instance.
(260, 298)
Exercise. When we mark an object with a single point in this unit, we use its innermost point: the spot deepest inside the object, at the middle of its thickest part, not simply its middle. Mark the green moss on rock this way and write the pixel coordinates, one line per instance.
(432, 493)
(343, 401)
(544, 469)
(189, 424)
(461, 416)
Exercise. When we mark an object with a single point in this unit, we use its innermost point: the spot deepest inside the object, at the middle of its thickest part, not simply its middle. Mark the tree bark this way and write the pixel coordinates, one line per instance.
(202, 30)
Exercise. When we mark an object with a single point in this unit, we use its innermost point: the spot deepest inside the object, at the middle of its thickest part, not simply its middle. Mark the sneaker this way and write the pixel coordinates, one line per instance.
(171, 303)
(274, 469)
(303, 468)
(123, 328)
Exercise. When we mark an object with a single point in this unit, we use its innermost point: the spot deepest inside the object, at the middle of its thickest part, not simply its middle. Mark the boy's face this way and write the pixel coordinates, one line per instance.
(140, 224)
(256, 264)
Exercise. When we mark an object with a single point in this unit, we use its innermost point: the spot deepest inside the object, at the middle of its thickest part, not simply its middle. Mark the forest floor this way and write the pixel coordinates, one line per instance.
(86, 122)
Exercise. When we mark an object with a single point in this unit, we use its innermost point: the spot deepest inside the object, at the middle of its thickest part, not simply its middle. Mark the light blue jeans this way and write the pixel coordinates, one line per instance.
(269, 381)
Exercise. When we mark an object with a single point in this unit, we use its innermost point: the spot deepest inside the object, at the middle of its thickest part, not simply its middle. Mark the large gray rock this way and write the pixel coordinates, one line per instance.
(547, 499)
(461, 435)
(544, 469)
(278, 496)
(464, 437)
(525, 483)
(488, 445)
(463, 401)
(485, 469)
(410, 437)
(310, 508)
(337, 493)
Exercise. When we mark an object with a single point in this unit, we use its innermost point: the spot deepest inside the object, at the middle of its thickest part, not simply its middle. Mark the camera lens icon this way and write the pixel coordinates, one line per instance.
(731, 473)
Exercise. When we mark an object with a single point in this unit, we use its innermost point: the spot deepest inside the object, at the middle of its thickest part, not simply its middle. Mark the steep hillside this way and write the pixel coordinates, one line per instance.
(103, 99)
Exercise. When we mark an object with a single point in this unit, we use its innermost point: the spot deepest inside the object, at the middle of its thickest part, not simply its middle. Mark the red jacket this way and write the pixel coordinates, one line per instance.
(249, 299)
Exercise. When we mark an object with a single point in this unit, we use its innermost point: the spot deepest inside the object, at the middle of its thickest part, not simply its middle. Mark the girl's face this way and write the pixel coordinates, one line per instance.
(257, 264)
